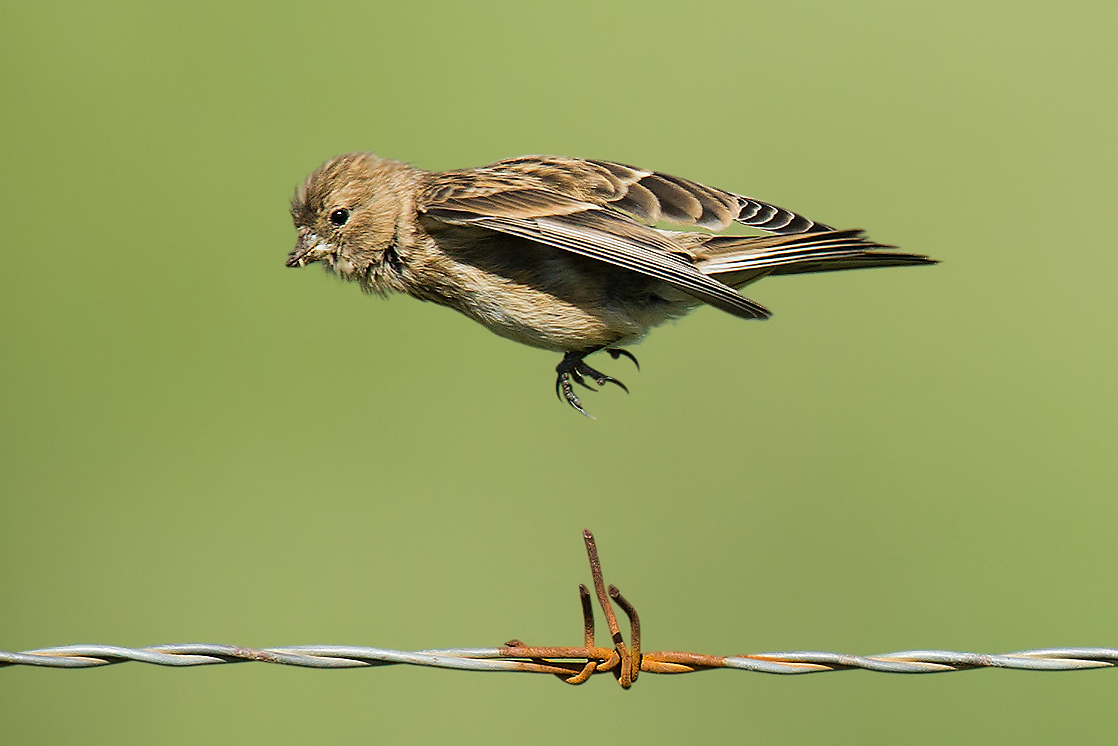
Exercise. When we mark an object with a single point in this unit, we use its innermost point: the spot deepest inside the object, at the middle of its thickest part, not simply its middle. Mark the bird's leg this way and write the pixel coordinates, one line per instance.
(574, 368)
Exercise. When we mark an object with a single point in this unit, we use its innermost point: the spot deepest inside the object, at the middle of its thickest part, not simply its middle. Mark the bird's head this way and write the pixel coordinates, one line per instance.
(347, 215)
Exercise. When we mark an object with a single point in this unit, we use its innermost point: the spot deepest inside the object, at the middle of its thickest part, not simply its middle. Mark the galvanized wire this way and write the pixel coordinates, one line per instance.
(507, 658)
(573, 664)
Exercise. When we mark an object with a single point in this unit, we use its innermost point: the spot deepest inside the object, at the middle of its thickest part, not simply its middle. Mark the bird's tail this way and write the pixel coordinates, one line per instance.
(740, 260)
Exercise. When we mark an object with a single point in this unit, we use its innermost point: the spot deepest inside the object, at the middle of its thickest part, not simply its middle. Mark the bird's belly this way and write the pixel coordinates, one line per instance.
(554, 300)
(537, 319)
(560, 320)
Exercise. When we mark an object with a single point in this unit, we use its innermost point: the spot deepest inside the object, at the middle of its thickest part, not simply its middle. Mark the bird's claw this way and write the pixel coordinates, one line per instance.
(574, 368)
(615, 353)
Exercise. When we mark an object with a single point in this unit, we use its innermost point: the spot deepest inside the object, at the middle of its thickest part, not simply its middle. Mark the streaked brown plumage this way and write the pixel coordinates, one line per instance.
(558, 253)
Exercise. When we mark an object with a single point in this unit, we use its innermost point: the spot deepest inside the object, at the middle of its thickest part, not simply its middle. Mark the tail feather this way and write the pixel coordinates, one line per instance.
(739, 260)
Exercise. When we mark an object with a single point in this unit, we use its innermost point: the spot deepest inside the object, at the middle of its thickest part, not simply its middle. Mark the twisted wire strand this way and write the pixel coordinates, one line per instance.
(507, 659)
(574, 665)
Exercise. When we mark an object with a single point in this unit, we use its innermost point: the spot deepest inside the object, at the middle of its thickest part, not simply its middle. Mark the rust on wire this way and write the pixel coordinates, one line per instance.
(573, 665)
(625, 661)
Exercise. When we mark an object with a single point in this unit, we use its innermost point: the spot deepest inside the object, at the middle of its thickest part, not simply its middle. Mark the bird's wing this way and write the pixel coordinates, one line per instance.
(645, 195)
(520, 205)
(739, 260)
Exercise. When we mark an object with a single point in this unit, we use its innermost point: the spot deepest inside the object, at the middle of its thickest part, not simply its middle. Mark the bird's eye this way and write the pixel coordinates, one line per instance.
(339, 217)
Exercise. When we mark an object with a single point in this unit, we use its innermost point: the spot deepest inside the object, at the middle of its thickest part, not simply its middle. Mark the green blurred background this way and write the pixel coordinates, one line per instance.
(199, 444)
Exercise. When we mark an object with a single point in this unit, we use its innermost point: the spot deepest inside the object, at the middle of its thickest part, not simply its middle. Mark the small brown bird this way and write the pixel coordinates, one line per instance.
(558, 253)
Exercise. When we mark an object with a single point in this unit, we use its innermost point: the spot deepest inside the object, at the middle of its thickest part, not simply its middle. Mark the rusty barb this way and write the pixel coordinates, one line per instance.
(574, 664)
(625, 662)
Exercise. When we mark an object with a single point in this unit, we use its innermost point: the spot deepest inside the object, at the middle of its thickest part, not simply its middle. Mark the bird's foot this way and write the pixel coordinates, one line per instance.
(574, 368)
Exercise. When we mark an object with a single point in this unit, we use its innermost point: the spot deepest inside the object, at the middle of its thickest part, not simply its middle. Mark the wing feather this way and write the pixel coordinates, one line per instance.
(717, 208)
(599, 209)
(627, 189)
(812, 252)
(579, 234)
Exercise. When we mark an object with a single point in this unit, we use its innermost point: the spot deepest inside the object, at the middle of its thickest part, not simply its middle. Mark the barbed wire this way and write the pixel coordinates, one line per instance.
(559, 661)
(572, 664)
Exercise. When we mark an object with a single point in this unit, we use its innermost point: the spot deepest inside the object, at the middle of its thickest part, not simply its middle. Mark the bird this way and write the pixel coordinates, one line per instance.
(562, 254)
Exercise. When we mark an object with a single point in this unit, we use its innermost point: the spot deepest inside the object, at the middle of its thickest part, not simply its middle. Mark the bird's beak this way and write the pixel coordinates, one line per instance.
(309, 248)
